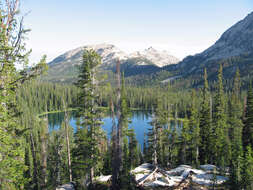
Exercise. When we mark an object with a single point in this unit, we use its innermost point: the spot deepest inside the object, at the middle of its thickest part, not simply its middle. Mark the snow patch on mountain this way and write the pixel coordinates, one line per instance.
(110, 54)
(159, 58)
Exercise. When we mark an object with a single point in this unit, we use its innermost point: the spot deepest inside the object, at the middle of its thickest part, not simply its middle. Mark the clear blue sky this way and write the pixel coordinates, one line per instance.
(182, 27)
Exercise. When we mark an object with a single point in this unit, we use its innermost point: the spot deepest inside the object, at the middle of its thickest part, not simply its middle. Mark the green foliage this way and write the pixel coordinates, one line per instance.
(220, 143)
(12, 53)
(205, 125)
(235, 133)
(248, 169)
(194, 132)
(88, 137)
(248, 121)
(41, 97)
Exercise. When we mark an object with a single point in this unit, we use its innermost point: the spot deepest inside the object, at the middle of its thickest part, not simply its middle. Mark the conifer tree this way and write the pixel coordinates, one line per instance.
(184, 142)
(248, 121)
(134, 159)
(124, 120)
(205, 125)
(89, 135)
(194, 132)
(220, 143)
(12, 52)
(159, 120)
(235, 125)
(248, 169)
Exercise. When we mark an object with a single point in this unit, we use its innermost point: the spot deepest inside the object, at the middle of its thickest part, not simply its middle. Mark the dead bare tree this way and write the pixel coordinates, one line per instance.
(117, 165)
(114, 149)
(67, 140)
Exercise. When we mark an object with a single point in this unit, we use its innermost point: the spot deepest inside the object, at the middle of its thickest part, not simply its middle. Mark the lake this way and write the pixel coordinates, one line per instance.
(140, 123)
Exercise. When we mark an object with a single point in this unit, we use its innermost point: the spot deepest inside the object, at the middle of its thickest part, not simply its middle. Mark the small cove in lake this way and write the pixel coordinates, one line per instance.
(140, 123)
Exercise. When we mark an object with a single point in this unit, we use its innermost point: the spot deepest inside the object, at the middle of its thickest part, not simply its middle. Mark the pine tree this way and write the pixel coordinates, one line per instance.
(134, 159)
(194, 132)
(205, 148)
(184, 142)
(12, 46)
(248, 121)
(159, 120)
(89, 135)
(248, 169)
(221, 144)
(124, 120)
(235, 125)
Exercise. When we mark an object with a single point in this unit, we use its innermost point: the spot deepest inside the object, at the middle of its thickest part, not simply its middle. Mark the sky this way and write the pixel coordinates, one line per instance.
(181, 27)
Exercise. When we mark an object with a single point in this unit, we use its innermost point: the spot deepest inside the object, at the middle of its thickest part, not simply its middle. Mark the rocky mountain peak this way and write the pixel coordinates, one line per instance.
(110, 53)
(237, 40)
(159, 58)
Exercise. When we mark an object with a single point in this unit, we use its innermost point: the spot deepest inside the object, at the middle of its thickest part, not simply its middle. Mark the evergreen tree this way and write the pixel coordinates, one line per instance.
(124, 120)
(89, 135)
(205, 126)
(221, 144)
(159, 120)
(235, 125)
(194, 132)
(248, 169)
(184, 142)
(248, 121)
(12, 51)
(134, 152)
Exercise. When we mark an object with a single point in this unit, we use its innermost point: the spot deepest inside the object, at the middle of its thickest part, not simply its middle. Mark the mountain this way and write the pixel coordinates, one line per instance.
(234, 50)
(159, 58)
(63, 68)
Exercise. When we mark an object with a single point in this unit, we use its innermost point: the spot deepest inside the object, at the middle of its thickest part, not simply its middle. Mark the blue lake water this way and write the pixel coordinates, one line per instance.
(140, 123)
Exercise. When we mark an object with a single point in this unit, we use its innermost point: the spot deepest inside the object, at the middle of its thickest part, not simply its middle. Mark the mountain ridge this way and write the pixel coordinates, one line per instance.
(235, 43)
(64, 67)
